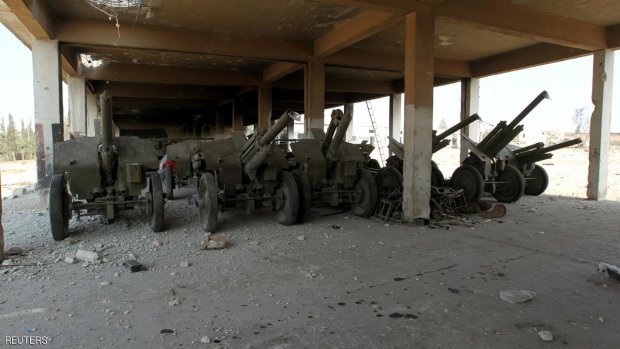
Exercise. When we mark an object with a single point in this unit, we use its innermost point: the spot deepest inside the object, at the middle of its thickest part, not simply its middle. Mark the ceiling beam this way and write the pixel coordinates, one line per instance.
(613, 37)
(340, 84)
(137, 90)
(34, 15)
(358, 28)
(103, 33)
(161, 103)
(524, 58)
(279, 70)
(169, 75)
(503, 17)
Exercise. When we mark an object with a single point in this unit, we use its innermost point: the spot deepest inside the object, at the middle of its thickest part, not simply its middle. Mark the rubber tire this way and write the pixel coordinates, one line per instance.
(373, 164)
(169, 183)
(539, 183)
(208, 204)
(157, 216)
(366, 183)
(437, 178)
(289, 211)
(59, 208)
(388, 180)
(305, 195)
(464, 174)
(514, 190)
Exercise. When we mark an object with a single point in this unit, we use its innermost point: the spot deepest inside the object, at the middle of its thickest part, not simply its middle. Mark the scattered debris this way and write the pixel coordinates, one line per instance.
(133, 265)
(205, 339)
(184, 264)
(498, 211)
(611, 270)
(14, 251)
(87, 256)
(174, 302)
(336, 226)
(547, 336)
(215, 243)
(517, 296)
(70, 258)
(301, 238)
(105, 283)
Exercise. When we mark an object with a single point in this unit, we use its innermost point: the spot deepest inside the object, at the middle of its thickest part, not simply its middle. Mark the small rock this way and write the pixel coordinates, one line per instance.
(70, 241)
(546, 336)
(517, 296)
(7, 262)
(600, 319)
(184, 264)
(167, 331)
(174, 302)
(87, 256)
(104, 283)
(157, 243)
(254, 242)
(70, 258)
(17, 192)
(301, 238)
(205, 339)
(14, 251)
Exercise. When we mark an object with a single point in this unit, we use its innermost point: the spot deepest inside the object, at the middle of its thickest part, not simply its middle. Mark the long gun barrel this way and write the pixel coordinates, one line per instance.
(439, 141)
(257, 149)
(336, 141)
(534, 155)
(106, 152)
(337, 115)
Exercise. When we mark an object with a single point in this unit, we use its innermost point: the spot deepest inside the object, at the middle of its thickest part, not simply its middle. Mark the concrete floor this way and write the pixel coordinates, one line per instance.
(367, 285)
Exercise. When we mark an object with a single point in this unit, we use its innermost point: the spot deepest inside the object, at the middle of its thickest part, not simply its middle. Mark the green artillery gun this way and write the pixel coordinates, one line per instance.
(332, 171)
(484, 170)
(390, 178)
(175, 168)
(240, 170)
(524, 159)
(93, 177)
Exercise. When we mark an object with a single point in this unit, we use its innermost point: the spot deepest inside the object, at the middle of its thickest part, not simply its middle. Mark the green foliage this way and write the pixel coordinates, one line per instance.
(16, 144)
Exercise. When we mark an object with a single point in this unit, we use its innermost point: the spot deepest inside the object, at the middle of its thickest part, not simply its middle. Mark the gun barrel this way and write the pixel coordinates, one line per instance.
(491, 134)
(561, 145)
(531, 147)
(503, 138)
(339, 136)
(278, 126)
(533, 104)
(106, 120)
(465, 122)
(331, 129)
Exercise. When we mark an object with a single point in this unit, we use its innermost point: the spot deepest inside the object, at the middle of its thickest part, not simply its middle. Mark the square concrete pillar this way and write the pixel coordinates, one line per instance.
(314, 95)
(349, 135)
(396, 116)
(602, 85)
(470, 100)
(47, 81)
(77, 106)
(265, 104)
(419, 76)
(92, 114)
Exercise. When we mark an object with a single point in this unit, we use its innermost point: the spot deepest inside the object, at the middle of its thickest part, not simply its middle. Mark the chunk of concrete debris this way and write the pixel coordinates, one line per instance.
(133, 265)
(7, 262)
(14, 251)
(184, 264)
(301, 238)
(174, 302)
(517, 296)
(215, 243)
(336, 226)
(205, 339)
(70, 241)
(19, 192)
(87, 256)
(70, 258)
(547, 336)
(611, 270)
(105, 283)
(157, 243)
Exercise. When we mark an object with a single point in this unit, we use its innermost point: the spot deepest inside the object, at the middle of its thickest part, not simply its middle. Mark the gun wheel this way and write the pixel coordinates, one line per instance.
(537, 182)
(389, 180)
(437, 178)
(365, 197)
(60, 212)
(305, 195)
(169, 183)
(287, 201)
(208, 204)
(157, 203)
(512, 187)
(468, 178)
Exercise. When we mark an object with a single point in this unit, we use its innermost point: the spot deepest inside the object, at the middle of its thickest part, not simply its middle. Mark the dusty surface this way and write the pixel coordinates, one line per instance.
(17, 174)
(366, 285)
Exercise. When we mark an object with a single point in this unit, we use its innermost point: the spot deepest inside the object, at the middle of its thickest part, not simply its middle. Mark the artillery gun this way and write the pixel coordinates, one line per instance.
(175, 167)
(390, 178)
(103, 177)
(332, 171)
(524, 159)
(485, 170)
(241, 170)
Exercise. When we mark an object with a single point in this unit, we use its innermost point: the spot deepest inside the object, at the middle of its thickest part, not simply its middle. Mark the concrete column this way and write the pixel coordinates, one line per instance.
(602, 84)
(396, 115)
(265, 104)
(46, 72)
(314, 95)
(349, 135)
(92, 114)
(419, 74)
(237, 123)
(470, 100)
(77, 105)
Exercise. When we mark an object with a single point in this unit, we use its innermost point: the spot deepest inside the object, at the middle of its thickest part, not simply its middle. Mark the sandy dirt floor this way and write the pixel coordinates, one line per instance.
(335, 282)
(17, 174)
